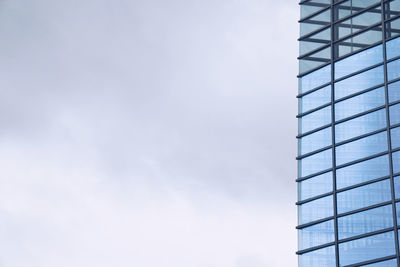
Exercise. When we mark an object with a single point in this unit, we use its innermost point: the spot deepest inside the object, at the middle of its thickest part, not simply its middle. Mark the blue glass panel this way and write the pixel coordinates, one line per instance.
(315, 119)
(315, 163)
(395, 137)
(315, 79)
(368, 248)
(359, 82)
(365, 222)
(315, 99)
(316, 209)
(393, 69)
(315, 141)
(397, 186)
(322, 257)
(394, 91)
(360, 103)
(398, 212)
(364, 196)
(360, 125)
(362, 148)
(394, 113)
(392, 48)
(359, 61)
(315, 186)
(396, 162)
(316, 235)
(362, 172)
(389, 263)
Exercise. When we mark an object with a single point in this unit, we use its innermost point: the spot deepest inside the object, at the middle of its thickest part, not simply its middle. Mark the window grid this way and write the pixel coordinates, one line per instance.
(385, 18)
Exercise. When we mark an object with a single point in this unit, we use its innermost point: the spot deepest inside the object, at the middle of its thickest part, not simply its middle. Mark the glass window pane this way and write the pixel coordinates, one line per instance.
(358, 22)
(364, 196)
(357, 42)
(396, 162)
(360, 125)
(389, 263)
(359, 61)
(368, 248)
(392, 28)
(395, 137)
(398, 212)
(362, 148)
(315, 141)
(316, 210)
(365, 222)
(359, 82)
(349, 7)
(315, 186)
(314, 79)
(362, 172)
(315, 163)
(360, 103)
(394, 91)
(316, 235)
(315, 99)
(315, 22)
(394, 113)
(315, 120)
(396, 186)
(393, 69)
(392, 48)
(317, 258)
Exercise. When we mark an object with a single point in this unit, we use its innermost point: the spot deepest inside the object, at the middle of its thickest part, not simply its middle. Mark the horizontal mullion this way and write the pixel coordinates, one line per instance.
(362, 159)
(301, 202)
(304, 225)
(364, 209)
(362, 184)
(313, 175)
(371, 261)
(303, 251)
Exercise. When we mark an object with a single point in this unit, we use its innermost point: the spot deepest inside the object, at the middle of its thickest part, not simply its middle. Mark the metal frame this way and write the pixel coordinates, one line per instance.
(334, 57)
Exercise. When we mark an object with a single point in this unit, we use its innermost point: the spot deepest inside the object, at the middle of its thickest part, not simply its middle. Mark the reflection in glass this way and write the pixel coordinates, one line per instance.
(359, 82)
(368, 248)
(315, 210)
(364, 196)
(315, 120)
(394, 91)
(360, 103)
(317, 258)
(359, 61)
(315, 99)
(365, 222)
(396, 186)
(392, 48)
(389, 263)
(394, 113)
(315, 235)
(315, 163)
(360, 125)
(395, 137)
(362, 148)
(315, 141)
(396, 162)
(362, 172)
(314, 79)
(393, 70)
(315, 186)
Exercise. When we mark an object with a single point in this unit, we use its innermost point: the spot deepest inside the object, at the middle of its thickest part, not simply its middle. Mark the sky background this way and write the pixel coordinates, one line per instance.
(148, 133)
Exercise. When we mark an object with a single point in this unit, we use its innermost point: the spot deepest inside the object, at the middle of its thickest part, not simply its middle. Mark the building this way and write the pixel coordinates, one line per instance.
(349, 133)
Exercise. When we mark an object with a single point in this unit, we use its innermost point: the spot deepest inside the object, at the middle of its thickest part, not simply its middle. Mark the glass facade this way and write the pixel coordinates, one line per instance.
(349, 133)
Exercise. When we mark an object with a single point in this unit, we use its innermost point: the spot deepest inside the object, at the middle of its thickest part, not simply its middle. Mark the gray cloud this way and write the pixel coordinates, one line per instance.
(148, 133)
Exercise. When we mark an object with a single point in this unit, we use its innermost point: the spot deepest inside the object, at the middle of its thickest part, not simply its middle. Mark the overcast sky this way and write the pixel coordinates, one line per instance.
(151, 133)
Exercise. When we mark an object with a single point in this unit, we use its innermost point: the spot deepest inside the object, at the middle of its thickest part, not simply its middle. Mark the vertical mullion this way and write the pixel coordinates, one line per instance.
(333, 55)
(396, 237)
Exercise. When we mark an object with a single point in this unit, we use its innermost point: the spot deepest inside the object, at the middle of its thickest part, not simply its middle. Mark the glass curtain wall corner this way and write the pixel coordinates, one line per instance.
(349, 133)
